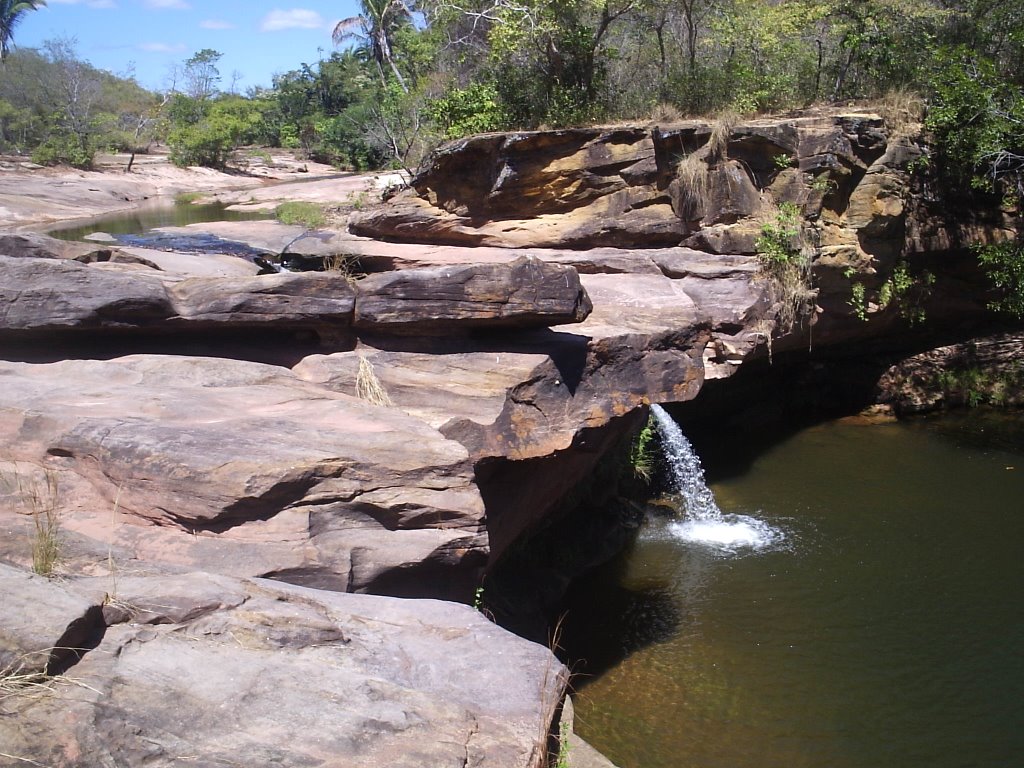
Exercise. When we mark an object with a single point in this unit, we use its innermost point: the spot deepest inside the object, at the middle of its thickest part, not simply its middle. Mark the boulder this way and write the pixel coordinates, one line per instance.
(253, 672)
(39, 246)
(309, 299)
(46, 295)
(526, 293)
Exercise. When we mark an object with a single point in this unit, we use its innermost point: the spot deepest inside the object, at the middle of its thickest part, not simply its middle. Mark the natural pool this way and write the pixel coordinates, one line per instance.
(157, 214)
(885, 627)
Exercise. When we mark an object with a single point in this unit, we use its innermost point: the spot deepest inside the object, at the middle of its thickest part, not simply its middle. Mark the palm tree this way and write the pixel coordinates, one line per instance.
(376, 27)
(11, 12)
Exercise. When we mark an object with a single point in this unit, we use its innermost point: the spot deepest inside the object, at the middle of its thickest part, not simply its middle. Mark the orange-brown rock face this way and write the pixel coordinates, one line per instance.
(630, 187)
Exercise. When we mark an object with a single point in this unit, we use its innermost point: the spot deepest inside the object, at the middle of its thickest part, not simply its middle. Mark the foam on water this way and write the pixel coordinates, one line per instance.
(703, 522)
(731, 533)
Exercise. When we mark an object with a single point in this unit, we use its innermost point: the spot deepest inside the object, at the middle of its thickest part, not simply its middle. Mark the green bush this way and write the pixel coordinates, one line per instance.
(465, 111)
(64, 149)
(1004, 264)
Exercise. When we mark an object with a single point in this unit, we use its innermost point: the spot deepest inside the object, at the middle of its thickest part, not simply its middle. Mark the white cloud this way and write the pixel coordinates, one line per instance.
(216, 24)
(296, 18)
(177, 5)
(162, 47)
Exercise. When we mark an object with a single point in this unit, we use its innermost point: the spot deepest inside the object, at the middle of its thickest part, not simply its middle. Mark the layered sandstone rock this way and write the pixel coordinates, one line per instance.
(51, 296)
(457, 398)
(239, 467)
(697, 182)
(208, 669)
(989, 369)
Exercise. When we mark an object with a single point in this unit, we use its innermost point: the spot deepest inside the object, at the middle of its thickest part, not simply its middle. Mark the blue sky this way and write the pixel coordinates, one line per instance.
(257, 37)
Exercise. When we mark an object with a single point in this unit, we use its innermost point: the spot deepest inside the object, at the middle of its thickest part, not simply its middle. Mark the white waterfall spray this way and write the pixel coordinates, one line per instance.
(702, 521)
(687, 473)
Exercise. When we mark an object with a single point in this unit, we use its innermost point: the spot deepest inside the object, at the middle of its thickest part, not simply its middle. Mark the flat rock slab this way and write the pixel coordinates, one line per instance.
(182, 265)
(260, 673)
(450, 384)
(238, 466)
(52, 295)
(31, 196)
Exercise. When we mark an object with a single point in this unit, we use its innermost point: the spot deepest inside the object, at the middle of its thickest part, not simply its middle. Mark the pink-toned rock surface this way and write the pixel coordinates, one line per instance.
(239, 467)
(211, 670)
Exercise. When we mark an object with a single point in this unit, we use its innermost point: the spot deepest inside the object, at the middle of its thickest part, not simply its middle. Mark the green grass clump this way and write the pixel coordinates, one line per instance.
(308, 215)
(187, 198)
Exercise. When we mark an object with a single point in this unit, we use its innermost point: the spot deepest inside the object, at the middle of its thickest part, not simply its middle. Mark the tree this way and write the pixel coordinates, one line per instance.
(11, 13)
(72, 88)
(377, 26)
(201, 74)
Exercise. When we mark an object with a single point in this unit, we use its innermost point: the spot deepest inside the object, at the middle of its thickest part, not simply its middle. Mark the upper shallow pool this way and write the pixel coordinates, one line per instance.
(150, 217)
(883, 626)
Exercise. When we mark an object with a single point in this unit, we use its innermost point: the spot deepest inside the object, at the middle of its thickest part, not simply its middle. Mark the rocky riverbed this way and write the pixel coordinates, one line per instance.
(247, 470)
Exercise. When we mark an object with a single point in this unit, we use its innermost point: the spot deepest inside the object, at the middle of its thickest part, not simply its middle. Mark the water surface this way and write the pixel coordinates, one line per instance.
(883, 628)
(146, 218)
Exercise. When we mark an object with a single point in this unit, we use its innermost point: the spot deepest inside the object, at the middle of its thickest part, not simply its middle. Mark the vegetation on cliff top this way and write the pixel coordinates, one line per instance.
(425, 71)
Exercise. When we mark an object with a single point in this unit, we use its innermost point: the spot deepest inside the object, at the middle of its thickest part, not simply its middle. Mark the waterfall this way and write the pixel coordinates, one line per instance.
(702, 521)
(687, 472)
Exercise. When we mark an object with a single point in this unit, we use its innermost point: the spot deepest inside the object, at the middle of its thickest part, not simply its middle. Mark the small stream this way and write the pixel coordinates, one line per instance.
(883, 627)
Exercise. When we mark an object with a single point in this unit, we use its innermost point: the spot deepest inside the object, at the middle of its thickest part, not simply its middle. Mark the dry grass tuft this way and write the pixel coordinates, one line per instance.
(721, 129)
(42, 500)
(344, 265)
(22, 679)
(903, 111)
(665, 113)
(694, 184)
(368, 386)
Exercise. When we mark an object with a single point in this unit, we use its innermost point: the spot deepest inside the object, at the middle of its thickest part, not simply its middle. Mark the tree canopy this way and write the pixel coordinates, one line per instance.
(11, 13)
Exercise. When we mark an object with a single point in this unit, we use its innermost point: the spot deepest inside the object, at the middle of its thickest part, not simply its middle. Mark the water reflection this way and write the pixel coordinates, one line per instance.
(158, 214)
(886, 631)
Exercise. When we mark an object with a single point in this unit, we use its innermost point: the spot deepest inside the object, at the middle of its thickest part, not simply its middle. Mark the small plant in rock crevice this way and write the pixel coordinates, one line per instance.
(642, 454)
(42, 499)
(858, 301)
(785, 259)
(562, 758)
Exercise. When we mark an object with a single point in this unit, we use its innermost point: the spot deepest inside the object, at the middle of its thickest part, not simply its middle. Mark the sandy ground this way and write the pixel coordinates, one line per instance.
(31, 196)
